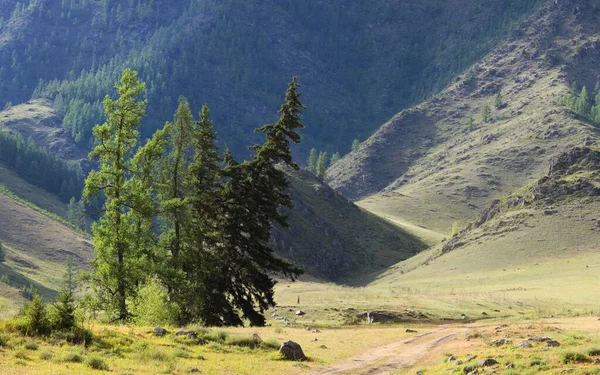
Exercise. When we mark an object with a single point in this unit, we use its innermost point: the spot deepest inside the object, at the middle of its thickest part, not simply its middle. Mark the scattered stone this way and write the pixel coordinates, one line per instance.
(500, 342)
(316, 331)
(470, 358)
(451, 358)
(300, 313)
(411, 331)
(539, 339)
(192, 335)
(160, 331)
(524, 344)
(292, 351)
(194, 370)
(108, 355)
(487, 362)
(419, 373)
(468, 369)
(552, 343)
(484, 313)
(463, 316)
(316, 339)
(458, 362)
(181, 333)
(323, 347)
(307, 328)
(509, 366)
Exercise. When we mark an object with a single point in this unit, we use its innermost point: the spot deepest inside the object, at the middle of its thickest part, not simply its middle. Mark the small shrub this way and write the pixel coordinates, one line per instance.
(270, 344)
(243, 341)
(72, 357)
(46, 355)
(21, 354)
(4, 339)
(96, 363)
(594, 352)
(182, 354)
(35, 318)
(31, 345)
(218, 336)
(155, 354)
(152, 306)
(535, 361)
(573, 357)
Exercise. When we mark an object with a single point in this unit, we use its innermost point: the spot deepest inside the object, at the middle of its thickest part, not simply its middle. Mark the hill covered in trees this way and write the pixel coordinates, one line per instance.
(359, 65)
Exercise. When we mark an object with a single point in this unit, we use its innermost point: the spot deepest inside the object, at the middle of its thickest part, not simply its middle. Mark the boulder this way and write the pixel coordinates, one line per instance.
(524, 344)
(552, 343)
(181, 333)
(470, 358)
(191, 335)
(292, 351)
(539, 339)
(458, 362)
(500, 342)
(160, 331)
(300, 313)
(487, 362)
(451, 358)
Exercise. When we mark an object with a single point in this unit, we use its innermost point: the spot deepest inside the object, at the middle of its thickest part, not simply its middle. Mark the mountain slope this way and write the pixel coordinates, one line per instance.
(334, 239)
(36, 245)
(432, 166)
(358, 66)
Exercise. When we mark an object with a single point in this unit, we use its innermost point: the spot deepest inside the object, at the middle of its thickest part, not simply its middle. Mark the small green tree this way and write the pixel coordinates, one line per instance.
(334, 158)
(2, 253)
(485, 113)
(35, 317)
(582, 104)
(499, 101)
(355, 145)
(65, 304)
(322, 164)
(312, 160)
(471, 124)
(76, 212)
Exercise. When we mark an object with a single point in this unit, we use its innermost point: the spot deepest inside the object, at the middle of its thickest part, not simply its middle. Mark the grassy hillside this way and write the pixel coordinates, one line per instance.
(358, 67)
(37, 244)
(334, 239)
(440, 162)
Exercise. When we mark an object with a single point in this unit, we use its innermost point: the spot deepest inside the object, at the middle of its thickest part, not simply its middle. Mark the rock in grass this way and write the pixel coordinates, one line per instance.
(181, 333)
(300, 313)
(524, 344)
(468, 369)
(458, 362)
(471, 357)
(292, 351)
(411, 331)
(160, 331)
(552, 343)
(191, 335)
(451, 358)
(194, 370)
(487, 362)
(500, 342)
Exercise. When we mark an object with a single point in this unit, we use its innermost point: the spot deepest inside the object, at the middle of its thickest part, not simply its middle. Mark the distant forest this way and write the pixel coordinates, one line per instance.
(359, 66)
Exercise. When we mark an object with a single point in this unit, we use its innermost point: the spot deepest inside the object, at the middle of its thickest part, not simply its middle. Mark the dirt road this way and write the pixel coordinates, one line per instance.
(397, 355)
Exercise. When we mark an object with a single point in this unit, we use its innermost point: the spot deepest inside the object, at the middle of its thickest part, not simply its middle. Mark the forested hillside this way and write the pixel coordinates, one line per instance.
(360, 62)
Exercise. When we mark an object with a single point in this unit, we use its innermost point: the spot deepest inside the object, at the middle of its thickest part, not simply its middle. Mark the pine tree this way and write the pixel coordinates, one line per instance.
(118, 267)
(312, 160)
(253, 195)
(485, 113)
(65, 306)
(334, 158)
(355, 145)
(200, 267)
(36, 316)
(76, 212)
(582, 104)
(499, 101)
(322, 165)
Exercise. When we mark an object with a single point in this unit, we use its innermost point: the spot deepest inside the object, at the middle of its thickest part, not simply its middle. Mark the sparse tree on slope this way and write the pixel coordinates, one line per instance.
(355, 145)
(322, 164)
(2, 253)
(334, 158)
(312, 160)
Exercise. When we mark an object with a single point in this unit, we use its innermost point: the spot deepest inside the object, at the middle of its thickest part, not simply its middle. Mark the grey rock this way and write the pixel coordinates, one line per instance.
(524, 344)
(181, 333)
(552, 343)
(194, 370)
(458, 362)
(160, 331)
(300, 313)
(411, 331)
(471, 357)
(292, 351)
(509, 366)
(451, 358)
(500, 342)
(487, 362)
(191, 335)
(467, 369)
(539, 339)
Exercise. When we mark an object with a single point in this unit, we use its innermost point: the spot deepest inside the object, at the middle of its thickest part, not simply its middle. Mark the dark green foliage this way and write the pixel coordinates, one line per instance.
(312, 160)
(499, 102)
(573, 357)
(485, 113)
(583, 104)
(35, 317)
(120, 263)
(40, 168)
(322, 164)
(64, 317)
(355, 144)
(96, 363)
(224, 53)
(76, 212)
(2, 253)
(334, 158)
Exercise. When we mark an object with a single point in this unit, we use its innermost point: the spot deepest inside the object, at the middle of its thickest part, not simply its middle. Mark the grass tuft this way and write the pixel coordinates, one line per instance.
(96, 363)
(46, 355)
(573, 357)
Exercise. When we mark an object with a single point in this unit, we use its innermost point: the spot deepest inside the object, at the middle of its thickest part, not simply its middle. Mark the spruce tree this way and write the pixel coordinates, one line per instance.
(355, 145)
(119, 266)
(312, 160)
(322, 165)
(499, 101)
(334, 158)
(253, 195)
(65, 303)
(582, 104)
(485, 113)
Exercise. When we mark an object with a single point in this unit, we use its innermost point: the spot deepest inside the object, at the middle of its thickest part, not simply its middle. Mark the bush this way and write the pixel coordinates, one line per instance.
(96, 363)
(594, 352)
(21, 354)
(573, 357)
(35, 318)
(31, 345)
(152, 306)
(216, 336)
(46, 355)
(72, 357)
(75, 336)
(270, 344)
